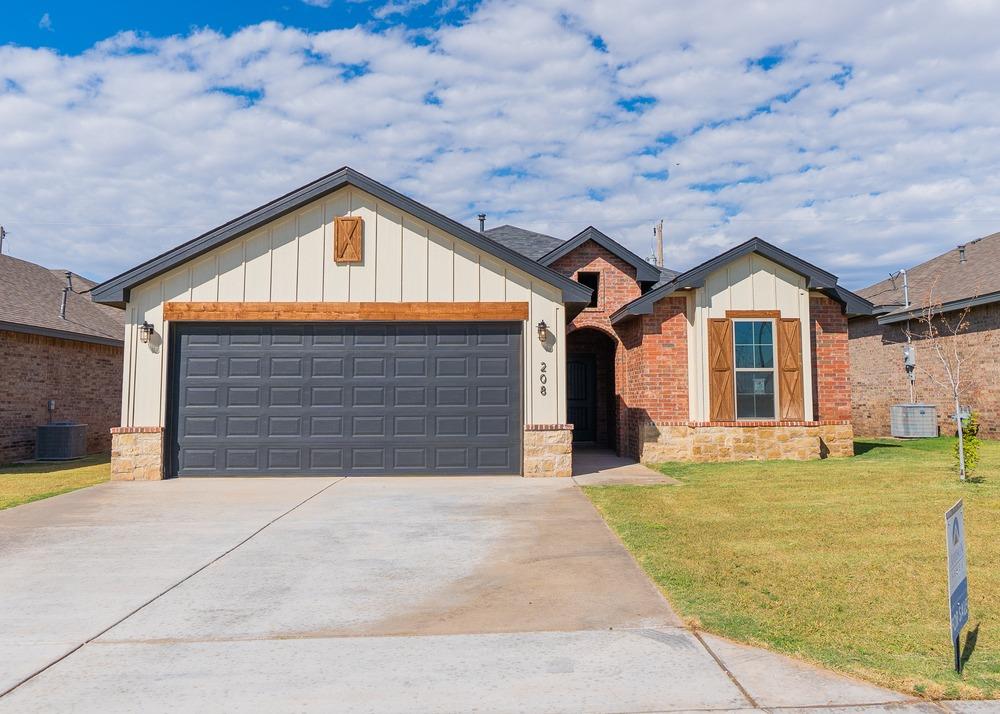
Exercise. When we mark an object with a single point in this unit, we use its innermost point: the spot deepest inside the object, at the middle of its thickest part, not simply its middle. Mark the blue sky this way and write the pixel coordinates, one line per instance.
(862, 137)
(73, 27)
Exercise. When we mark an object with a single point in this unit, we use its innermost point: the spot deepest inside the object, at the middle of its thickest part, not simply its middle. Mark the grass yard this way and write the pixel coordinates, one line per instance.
(32, 482)
(841, 562)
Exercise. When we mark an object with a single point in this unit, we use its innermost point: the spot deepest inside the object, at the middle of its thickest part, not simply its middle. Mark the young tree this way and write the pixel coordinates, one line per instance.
(940, 331)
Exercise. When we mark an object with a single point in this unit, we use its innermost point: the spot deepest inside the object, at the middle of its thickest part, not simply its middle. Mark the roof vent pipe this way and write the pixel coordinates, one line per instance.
(906, 288)
(482, 222)
(961, 253)
(66, 289)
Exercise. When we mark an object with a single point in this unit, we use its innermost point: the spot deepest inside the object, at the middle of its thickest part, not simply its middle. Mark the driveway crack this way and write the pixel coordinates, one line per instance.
(180, 582)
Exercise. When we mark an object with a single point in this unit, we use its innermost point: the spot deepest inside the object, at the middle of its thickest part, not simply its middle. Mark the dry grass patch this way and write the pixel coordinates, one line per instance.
(32, 482)
(841, 562)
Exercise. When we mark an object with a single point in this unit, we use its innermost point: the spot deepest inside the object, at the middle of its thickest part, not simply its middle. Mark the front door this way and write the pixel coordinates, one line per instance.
(581, 396)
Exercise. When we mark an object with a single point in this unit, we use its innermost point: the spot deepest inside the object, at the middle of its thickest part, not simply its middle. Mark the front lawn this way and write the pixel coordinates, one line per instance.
(31, 482)
(841, 562)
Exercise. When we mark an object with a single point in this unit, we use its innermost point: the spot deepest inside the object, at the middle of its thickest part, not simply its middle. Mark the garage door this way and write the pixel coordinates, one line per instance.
(345, 398)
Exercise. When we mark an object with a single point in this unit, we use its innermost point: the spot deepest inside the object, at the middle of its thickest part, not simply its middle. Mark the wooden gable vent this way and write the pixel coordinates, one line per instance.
(348, 239)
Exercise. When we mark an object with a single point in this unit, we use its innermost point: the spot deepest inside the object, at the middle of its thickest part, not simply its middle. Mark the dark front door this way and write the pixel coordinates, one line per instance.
(581, 396)
(345, 398)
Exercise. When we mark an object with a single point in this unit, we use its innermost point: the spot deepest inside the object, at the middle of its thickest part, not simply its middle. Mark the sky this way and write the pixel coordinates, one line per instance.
(862, 136)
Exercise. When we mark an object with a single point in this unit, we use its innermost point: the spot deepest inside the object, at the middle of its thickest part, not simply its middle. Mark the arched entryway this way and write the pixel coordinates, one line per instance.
(590, 387)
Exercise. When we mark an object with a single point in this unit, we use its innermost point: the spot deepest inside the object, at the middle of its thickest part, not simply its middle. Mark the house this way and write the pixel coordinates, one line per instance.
(346, 328)
(964, 278)
(69, 352)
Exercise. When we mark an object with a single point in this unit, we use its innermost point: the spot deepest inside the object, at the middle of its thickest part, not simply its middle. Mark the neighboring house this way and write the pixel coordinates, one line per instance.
(345, 328)
(71, 355)
(965, 277)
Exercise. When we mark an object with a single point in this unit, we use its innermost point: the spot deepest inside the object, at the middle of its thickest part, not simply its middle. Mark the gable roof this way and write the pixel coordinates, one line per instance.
(816, 279)
(644, 270)
(116, 290)
(528, 243)
(944, 279)
(31, 297)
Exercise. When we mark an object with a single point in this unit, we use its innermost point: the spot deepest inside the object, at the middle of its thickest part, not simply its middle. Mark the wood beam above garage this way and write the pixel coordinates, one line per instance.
(344, 311)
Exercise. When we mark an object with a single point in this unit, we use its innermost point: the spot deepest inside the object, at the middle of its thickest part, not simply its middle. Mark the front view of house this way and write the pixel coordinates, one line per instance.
(347, 329)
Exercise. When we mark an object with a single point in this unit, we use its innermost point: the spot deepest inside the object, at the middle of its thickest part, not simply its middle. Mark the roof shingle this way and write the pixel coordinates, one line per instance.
(31, 296)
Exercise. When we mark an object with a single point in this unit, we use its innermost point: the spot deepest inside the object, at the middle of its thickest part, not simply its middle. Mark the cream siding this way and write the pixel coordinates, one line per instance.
(291, 260)
(748, 283)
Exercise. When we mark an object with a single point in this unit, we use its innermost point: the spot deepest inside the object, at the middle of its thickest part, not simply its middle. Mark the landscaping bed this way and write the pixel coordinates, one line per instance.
(841, 562)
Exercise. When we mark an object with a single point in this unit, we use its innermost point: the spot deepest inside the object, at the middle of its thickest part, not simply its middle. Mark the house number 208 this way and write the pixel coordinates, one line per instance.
(543, 378)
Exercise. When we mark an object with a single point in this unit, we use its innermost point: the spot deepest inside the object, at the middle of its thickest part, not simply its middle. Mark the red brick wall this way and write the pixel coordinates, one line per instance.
(85, 380)
(654, 364)
(878, 379)
(830, 359)
(617, 284)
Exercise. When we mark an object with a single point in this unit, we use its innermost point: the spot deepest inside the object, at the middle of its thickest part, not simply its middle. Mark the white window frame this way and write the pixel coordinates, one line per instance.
(773, 369)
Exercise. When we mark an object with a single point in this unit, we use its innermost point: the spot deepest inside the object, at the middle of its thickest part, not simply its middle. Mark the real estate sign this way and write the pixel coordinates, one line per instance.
(958, 581)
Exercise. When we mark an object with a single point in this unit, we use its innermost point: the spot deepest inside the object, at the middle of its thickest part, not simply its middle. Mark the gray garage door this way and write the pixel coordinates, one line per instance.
(345, 398)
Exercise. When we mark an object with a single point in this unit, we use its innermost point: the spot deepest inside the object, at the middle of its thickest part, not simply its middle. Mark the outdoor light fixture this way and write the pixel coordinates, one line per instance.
(145, 332)
(543, 331)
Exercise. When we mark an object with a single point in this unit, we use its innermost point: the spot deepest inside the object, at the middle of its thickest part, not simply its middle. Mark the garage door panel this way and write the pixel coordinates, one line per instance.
(376, 398)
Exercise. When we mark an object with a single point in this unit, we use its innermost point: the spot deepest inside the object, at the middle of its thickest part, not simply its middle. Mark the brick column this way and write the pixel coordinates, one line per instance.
(137, 453)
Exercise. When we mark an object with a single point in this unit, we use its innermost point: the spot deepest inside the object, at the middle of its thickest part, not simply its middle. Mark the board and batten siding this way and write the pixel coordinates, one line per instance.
(751, 282)
(291, 260)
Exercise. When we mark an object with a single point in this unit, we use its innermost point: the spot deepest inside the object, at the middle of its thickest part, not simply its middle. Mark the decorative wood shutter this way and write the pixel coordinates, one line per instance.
(722, 397)
(348, 232)
(790, 394)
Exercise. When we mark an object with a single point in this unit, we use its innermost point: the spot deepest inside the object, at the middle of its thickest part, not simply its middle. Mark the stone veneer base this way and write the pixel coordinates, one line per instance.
(136, 453)
(746, 441)
(548, 450)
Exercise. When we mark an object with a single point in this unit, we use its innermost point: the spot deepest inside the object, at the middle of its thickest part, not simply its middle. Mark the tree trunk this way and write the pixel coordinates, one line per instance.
(961, 440)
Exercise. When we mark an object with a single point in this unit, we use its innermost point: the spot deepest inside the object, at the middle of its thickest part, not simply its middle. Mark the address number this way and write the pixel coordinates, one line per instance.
(543, 378)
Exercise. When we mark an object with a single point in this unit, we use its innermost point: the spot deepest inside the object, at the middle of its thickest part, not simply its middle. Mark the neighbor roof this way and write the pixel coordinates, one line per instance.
(644, 270)
(943, 280)
(527, 243)
(816, 279)
(116, 290)
(31, 296)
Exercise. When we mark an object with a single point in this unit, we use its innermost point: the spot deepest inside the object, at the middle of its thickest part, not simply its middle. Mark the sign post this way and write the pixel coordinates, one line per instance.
(958, 576)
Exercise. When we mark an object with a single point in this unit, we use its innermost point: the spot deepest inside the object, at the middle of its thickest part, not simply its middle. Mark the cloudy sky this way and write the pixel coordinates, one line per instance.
(862, 136)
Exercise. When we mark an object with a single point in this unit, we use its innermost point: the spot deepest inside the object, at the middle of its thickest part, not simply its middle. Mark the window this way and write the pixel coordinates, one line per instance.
(753, 342)
(592, 281)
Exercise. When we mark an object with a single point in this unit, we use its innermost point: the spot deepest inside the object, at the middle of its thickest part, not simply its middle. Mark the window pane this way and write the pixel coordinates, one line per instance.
(762, 333)
(744, 357)
(743, 332)
(755, 395)
(765, 356)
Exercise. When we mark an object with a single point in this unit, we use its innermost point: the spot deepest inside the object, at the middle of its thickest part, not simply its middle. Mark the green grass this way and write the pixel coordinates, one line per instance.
(841, 562)
(32, 482)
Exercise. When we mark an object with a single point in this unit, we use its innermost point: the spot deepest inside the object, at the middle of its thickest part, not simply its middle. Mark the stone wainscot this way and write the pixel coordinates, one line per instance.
(745, 441)
(548, 450)
(137, 453)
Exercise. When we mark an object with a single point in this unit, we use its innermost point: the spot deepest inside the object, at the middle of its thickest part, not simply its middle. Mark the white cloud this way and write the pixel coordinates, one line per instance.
(870, 145)
(45, 23)
(318, 3)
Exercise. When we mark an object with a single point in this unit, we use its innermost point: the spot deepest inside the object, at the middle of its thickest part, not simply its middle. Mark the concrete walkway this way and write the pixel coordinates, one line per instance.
(380, 595)
(602, 467)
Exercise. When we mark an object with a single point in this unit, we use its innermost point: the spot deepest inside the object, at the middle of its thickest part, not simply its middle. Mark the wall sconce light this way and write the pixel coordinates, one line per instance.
(145, 332)
(543, 331)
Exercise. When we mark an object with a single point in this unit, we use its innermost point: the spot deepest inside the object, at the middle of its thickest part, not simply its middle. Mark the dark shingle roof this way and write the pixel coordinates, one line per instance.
(944, 279)
(527, 243)
(30, 298)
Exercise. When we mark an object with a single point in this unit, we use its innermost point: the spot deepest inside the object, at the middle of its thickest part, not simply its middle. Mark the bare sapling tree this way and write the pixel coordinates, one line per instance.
(939, 330)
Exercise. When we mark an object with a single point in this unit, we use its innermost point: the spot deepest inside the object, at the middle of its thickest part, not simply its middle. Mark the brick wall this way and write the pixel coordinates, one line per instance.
(655, 369)
(878, 379)
(617, 284)
(830, 359)
(85, 380)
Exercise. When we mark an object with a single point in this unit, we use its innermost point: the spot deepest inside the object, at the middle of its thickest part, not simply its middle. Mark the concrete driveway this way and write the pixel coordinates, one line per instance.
(373, 594)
